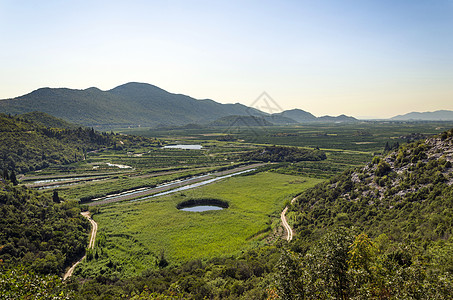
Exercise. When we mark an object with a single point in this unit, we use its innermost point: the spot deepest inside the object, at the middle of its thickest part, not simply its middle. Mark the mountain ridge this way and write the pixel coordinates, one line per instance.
(130, 104)
(438, 115)
(136, 104)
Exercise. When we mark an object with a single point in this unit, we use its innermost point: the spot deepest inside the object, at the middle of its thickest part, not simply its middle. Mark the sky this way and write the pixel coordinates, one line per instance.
(370, 58)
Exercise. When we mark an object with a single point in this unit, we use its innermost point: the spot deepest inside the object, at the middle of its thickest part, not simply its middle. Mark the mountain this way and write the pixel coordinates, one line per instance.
(297, 115)
(438, 115)
(340, 118)
(301, 116)
(278, 119)
(140, 104)
(131, 104)
(241, 121)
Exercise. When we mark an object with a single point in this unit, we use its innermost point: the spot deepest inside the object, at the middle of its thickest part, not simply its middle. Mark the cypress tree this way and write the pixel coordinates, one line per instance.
(5, 174)
(55, 197)
(13, 178)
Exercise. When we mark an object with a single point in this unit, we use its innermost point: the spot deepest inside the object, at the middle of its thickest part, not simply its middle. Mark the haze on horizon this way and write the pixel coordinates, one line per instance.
(360, 58)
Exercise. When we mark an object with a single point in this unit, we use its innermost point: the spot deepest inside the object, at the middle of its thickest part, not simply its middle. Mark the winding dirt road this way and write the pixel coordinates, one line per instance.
(94, 229)
(289, 231)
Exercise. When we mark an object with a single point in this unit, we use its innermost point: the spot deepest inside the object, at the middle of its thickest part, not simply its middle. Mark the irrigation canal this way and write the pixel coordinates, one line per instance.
(146, 193)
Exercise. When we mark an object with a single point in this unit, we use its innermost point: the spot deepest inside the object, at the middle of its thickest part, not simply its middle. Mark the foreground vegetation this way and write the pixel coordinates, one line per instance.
(379, 227)
(39, 231)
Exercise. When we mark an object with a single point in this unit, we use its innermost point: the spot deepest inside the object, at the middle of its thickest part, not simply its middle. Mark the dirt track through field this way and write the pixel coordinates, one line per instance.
(289, 231)
(94, 229)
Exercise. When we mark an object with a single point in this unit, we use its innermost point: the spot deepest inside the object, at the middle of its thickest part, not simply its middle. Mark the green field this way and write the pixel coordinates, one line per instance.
(362, 136)
(137, 234)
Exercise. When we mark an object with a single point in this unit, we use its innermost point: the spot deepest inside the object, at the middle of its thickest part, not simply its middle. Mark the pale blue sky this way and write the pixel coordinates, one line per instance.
(362, 58)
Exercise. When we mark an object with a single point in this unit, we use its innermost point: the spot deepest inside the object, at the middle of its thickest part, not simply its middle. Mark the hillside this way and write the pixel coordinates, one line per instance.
(406, 194)
(27, 146)
(297, 115)
(439, 115)
(39, 232)
(241, 121)
(131, 104)
(383, 231)
(46, 120)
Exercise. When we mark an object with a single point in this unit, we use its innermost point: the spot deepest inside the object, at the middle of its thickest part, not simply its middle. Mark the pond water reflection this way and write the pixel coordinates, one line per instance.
(200, 208)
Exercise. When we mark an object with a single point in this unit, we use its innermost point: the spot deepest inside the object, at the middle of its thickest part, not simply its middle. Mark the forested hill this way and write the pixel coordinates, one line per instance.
(406, 194)
(39, 232)
(46, 120)
(26, 145)
(129, 104)
(383, 231)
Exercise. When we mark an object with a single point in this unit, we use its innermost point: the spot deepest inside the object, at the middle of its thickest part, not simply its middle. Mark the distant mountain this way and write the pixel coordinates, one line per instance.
(340, 118)
(131, 104)
(439, 115)
(302, 116)
(141, 104)
(297, 115)
(241, 121)
(278, 119)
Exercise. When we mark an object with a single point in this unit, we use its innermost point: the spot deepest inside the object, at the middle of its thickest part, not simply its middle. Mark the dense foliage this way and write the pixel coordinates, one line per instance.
(284, 154)
(19, 283)
(247, 276)
(37, 232)
(347, 265)
(27, 146)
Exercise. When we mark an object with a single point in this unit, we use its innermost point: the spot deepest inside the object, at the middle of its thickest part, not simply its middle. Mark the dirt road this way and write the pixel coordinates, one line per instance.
(94, 229)
(289, 231)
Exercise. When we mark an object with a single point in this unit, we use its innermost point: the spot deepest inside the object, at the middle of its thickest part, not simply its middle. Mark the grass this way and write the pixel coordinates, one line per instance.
(138, 233)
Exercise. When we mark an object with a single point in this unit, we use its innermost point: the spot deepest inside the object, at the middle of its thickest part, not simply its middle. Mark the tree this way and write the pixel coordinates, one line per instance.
(289, 278)
(13, 178)
(55, 197)
(326, 265)
(362, 253)
(5, 174)
(162, 260)
(383, 168)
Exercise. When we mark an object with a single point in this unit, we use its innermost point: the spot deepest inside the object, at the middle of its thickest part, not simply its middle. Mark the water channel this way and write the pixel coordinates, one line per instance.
(184, 147)
(190, 186)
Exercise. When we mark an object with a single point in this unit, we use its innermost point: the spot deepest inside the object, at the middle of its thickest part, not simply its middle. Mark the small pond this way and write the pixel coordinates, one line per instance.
(201, 208)
(202, 204)
(185, 147)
